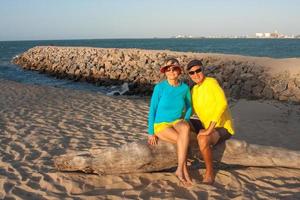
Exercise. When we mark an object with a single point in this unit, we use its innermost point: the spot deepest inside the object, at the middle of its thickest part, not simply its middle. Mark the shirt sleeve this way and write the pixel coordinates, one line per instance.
(153, 108)
(193, 110)
(188, 105)
(221, 101)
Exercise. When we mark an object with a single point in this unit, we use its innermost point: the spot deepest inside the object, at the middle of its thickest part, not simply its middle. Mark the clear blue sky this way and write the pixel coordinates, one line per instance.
(78, 19)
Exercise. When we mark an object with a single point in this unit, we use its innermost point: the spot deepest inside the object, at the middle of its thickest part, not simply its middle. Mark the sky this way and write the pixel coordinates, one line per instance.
(96, 19)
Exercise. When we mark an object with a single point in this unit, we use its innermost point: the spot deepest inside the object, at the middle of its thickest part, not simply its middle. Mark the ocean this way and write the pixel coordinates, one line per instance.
(275, 48)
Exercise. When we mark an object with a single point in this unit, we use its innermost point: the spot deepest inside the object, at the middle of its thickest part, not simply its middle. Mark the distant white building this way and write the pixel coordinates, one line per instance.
(267, 35)
(259, 35)
(275, 34)
(183, 36)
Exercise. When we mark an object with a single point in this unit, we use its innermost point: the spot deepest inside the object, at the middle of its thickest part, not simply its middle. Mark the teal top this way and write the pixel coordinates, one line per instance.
(169, 103)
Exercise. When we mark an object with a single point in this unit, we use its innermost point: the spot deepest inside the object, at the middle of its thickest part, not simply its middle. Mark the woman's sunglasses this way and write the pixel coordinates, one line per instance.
(195, 71)
(172, 68)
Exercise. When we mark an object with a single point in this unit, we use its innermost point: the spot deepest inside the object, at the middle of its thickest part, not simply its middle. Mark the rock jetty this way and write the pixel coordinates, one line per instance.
(240, 76)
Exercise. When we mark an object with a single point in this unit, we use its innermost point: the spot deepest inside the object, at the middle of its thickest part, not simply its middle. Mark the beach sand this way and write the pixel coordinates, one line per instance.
(38, 123)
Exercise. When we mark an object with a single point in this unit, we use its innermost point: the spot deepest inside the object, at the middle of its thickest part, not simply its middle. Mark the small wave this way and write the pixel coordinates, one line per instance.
(16, 56)
(118, 91)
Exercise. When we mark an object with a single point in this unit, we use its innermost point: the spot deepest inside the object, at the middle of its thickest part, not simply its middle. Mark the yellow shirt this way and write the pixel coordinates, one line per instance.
(210, 104)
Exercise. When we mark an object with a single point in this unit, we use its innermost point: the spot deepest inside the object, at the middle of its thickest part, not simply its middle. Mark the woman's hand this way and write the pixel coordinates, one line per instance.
(152, 140)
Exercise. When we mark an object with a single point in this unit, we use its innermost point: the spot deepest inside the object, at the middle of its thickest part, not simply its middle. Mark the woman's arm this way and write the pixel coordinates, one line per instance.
(153, 108)
(188, 105)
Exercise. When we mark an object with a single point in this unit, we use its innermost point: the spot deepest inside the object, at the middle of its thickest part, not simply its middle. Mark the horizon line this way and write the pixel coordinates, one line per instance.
(183, 38)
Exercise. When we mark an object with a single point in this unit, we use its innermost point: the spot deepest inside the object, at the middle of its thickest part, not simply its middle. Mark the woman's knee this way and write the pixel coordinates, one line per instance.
(183, 125)
(168, 134)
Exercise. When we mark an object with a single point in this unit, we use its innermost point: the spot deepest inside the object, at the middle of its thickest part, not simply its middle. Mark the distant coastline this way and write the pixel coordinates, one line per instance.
(151, 38)
(274, 48)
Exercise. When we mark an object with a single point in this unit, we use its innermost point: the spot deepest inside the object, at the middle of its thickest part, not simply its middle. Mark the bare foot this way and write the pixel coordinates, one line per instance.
(208, 179)
(181, 178)
(188, 184)
(187, 176)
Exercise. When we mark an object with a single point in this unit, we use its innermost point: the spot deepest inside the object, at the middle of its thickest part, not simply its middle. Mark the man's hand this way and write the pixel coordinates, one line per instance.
(205, 132)
(209, 130)
(152, 140)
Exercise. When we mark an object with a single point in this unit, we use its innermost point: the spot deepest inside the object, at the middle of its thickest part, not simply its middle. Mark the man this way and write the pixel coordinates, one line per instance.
(210, 105)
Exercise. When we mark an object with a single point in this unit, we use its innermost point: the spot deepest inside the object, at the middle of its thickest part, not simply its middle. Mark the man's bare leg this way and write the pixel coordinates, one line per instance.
(205, 143)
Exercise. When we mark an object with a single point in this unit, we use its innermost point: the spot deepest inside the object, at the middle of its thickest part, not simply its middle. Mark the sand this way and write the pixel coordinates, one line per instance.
(38, 123)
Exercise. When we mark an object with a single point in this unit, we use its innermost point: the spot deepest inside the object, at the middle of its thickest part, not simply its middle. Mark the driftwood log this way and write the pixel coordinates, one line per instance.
(141, 157)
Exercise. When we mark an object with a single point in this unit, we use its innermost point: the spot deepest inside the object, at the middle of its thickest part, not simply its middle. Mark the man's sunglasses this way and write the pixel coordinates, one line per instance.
(195, 71)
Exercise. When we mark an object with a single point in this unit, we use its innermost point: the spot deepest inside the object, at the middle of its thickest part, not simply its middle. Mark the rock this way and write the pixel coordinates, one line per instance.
(246, 76)
(77, 72)
(297, 94)
(283, 98)
(108, 64)
(292, 84)
(268, 93)
(235, 91)
(257, 90)
(294, 98)
(127, 58)
(297, 81)
(228, 71)
(219, 77)
(248, 85)
(280, 87)
(258, 70)
(287, 93)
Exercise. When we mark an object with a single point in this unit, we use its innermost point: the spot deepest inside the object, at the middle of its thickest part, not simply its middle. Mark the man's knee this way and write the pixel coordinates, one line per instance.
(203, 142)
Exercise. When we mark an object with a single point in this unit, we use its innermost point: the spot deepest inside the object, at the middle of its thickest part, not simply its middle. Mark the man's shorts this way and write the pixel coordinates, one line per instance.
(158, 127)
(223, 132)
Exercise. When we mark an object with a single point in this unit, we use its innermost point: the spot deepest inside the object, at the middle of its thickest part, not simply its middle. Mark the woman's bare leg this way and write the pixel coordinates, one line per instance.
(168, 134)
(187, 175)
(183, 130)
(171, 135)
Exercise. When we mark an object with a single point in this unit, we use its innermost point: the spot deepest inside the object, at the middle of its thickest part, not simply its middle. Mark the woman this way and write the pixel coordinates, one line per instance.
(170, 109)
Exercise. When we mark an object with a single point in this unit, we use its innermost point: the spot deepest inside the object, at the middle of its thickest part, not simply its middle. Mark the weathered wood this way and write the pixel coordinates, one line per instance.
(141, 157)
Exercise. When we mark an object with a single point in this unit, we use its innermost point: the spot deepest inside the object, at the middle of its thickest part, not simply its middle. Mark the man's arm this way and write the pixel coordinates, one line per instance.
(221, 101)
